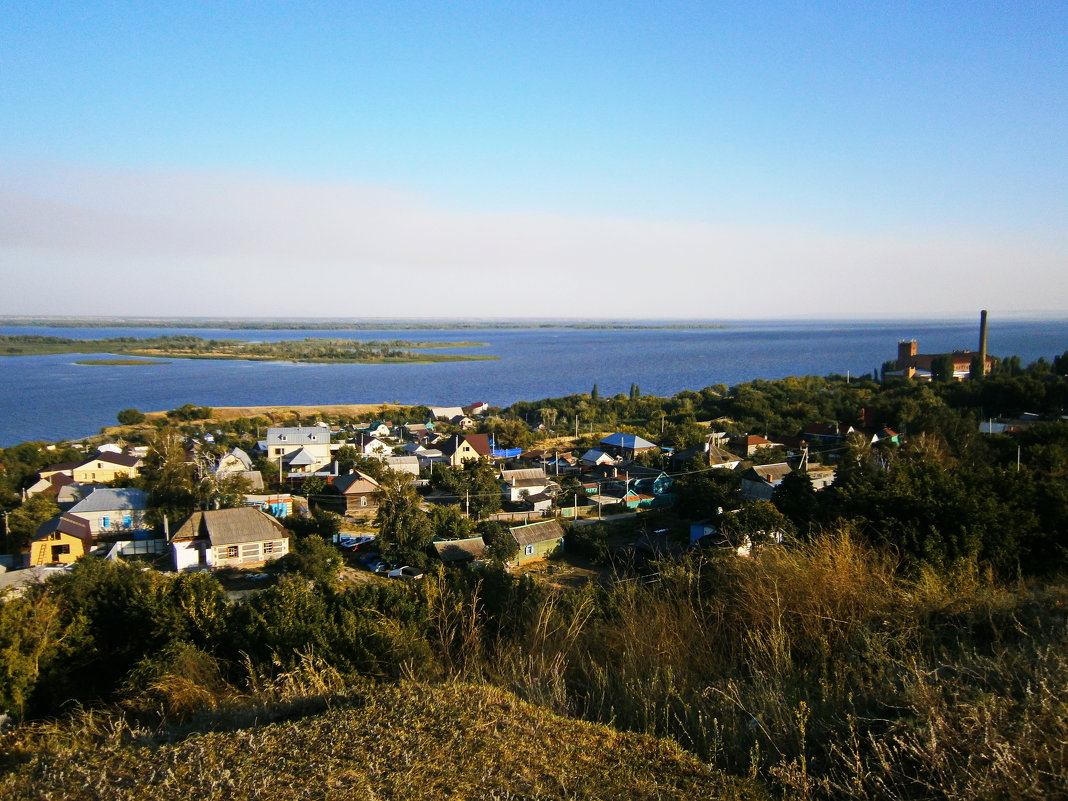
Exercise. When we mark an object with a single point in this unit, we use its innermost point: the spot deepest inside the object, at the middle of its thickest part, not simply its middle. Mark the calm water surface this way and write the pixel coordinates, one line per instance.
(52, 398)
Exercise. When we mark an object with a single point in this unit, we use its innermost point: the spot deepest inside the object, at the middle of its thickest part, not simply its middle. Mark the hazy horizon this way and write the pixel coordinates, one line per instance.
(579, 160)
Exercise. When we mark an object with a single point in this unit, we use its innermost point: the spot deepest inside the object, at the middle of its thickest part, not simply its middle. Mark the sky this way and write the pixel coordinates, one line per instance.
(691, 160)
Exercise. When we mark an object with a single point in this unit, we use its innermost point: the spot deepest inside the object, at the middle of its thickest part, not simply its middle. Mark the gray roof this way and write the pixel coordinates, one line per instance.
(301, 458)
(241, 456)
(524, 474)
(231, 527)
(771, 473)
(459, 550)
(106, 499)
(298, 435)
(537, 532)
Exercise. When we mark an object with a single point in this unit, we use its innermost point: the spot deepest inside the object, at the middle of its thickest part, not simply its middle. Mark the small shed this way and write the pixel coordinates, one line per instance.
(457, 551)
(538, 540)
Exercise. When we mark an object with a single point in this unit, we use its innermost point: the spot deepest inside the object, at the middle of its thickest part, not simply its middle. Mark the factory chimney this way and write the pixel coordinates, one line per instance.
(982, 342)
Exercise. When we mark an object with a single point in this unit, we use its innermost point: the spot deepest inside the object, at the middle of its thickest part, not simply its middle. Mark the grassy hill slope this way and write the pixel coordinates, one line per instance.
(397, 742)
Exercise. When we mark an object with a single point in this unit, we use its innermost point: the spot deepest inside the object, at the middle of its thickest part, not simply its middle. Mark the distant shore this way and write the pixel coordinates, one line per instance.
(274, 324)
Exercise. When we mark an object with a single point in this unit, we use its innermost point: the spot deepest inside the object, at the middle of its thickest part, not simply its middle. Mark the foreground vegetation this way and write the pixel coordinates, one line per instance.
(909, 641)
(183, 346)
(817, 671)
(406, 742)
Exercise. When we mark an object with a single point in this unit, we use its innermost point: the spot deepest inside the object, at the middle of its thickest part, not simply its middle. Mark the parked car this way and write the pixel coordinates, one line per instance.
(406, 572)
(347, 542)
(363, 540)
(379, 566)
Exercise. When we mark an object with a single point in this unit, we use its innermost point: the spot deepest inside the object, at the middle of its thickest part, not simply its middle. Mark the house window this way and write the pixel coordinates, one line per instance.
(363, 500)
(530, 550)
(127, 521)
(268, 547)
(105, 522)
(231, 552)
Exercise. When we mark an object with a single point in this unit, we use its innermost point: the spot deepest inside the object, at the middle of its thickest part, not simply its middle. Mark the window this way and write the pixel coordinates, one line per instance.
(363, 500)
(530, 550)
(231, 552)
(127, 521)
(105, 522)
(268, 547)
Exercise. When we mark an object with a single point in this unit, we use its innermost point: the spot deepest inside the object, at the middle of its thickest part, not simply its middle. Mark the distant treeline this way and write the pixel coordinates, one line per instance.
(194, 347)
(335, 325)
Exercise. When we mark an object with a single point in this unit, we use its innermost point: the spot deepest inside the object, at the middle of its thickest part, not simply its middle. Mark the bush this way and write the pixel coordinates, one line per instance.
(130, 417)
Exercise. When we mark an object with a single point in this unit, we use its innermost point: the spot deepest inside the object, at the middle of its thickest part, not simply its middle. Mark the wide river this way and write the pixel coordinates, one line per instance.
(52, 398)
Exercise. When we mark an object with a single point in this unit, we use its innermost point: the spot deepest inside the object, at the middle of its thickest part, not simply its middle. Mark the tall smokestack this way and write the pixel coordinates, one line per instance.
(982, 342)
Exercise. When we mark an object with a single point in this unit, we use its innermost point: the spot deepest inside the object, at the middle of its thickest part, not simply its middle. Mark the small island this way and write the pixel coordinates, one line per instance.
(193, 347)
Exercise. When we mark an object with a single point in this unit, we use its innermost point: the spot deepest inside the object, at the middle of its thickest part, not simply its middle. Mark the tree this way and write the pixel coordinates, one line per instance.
(168, 476)
(475, 484)
(130, 417)
(449, 523)
(403, 527)
(595, 394)
(942, 368)
(22, 524)
(315, 559)
(635, 392)
(758, 520)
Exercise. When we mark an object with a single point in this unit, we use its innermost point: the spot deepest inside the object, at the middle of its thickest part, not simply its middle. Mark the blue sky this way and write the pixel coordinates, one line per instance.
(652, 159)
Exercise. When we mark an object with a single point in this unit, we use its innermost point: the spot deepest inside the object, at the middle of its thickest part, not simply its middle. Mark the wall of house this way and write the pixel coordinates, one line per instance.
(118, 521)
(539, 550)
(42, 553)
(248, 553)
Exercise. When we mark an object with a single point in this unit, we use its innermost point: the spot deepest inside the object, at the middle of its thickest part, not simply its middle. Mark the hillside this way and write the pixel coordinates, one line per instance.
(395, 742)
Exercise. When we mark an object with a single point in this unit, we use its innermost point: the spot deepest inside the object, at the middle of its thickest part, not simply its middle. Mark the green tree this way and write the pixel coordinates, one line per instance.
(168, 477)
(22, 524)
(315, 559)
(403, 527)
(129, 417)
(449, 523)
(759, 520)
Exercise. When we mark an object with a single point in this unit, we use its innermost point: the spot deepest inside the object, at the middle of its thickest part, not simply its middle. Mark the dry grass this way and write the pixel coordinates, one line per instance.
(453, 741)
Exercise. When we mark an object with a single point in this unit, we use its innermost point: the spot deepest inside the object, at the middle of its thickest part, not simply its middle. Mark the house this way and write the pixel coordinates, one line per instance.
(228, 538)
(446, 412)
(233, 461)
(59, 541)
(453, 552)
(404, 464)
(463, 422)
(112, 513)
(519, 484)
(750, 444)
(460, 447)
(302, 450)
(760, 481)
(419, 432)
(50, 486)
(820, 475)
(625, 446)
(371, 446)
(358, 491)
(825, 433)
(596, 457)
(106, 467)
(710, 455)
(278, 505)
(477, 408)
(537, 540)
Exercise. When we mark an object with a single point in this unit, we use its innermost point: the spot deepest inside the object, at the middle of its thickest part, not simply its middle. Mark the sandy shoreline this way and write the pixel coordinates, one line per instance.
(223, 413)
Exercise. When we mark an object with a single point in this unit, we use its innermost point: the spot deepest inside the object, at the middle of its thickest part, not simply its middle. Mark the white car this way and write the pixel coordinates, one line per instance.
(410, 573)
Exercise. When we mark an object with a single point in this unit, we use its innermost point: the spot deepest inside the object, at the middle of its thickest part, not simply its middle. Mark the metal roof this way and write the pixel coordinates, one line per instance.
(106, 499)
(298, 435)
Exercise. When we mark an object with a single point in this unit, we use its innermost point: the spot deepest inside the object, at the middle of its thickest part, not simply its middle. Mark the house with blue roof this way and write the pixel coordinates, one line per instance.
(625, 446)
